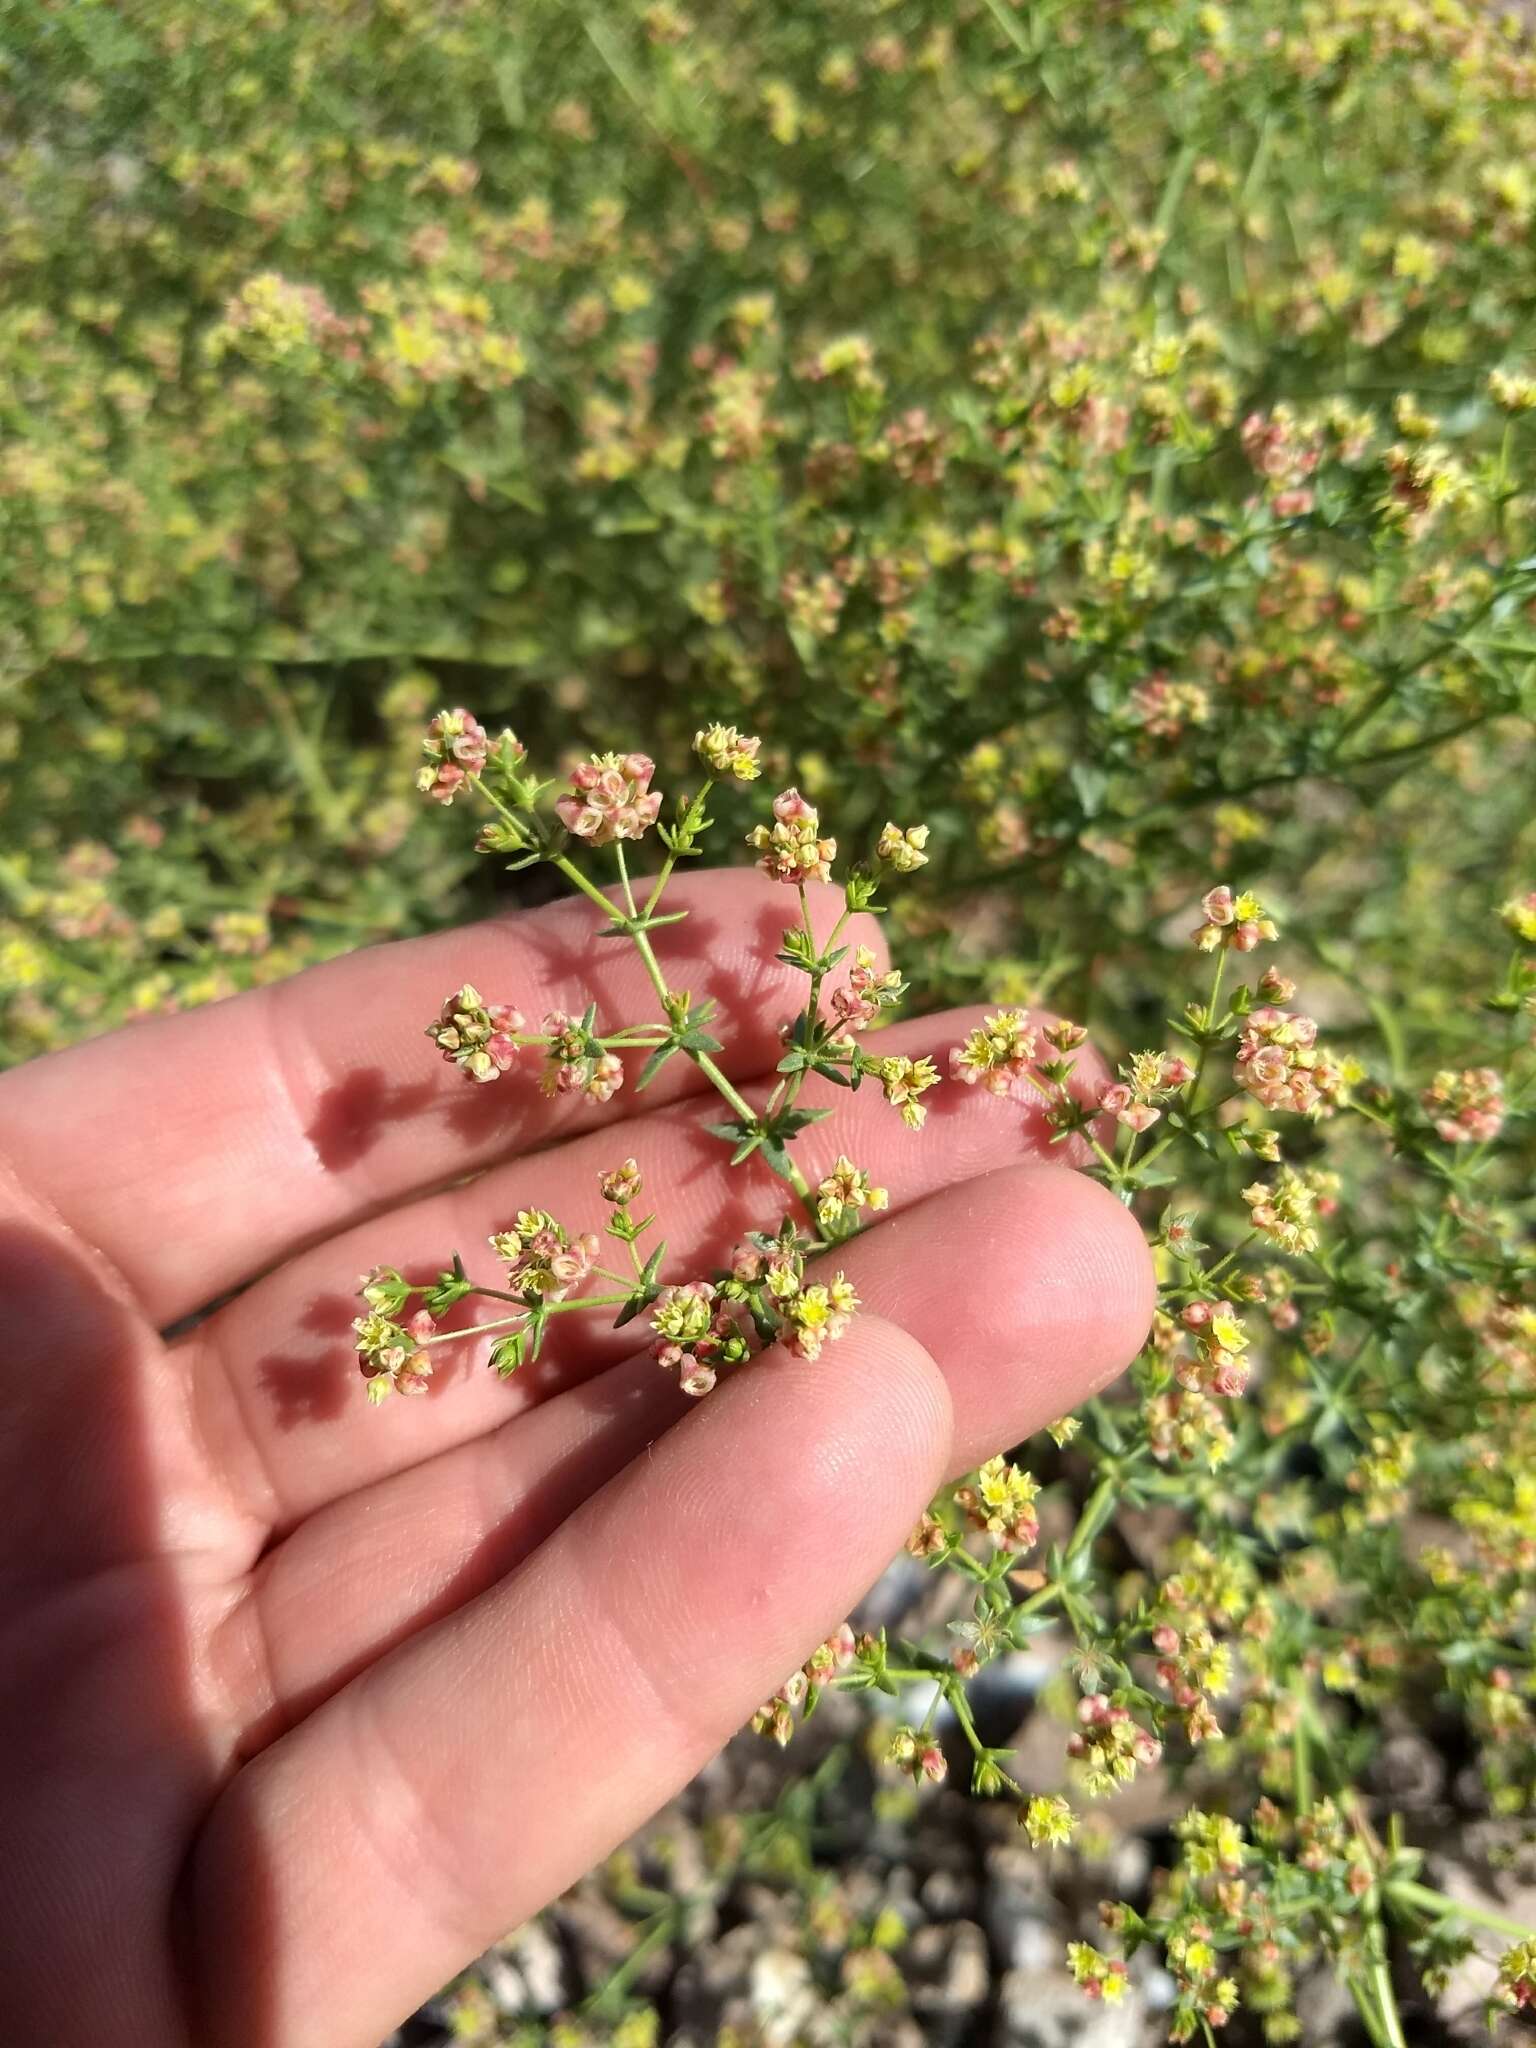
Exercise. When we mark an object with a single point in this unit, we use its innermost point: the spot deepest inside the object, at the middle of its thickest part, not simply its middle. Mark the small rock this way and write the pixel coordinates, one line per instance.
(946, 1895)
(712, 1979)
(782, 1994)
(1019, 1910)
(949, 1973)
(899, 2030)
(1409, 1770)
(534, 1962)
(1324, 2007)
(601, 1938)
(1045, 2009)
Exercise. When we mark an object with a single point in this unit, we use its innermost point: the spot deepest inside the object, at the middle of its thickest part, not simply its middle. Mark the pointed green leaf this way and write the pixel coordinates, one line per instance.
(654, 1065)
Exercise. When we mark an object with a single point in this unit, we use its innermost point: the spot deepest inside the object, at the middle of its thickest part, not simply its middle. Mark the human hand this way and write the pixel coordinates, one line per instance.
(304, 1704)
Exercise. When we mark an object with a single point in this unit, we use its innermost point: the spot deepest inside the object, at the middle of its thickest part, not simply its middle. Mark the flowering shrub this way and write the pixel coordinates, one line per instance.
(1133, 413)
(1103, 435)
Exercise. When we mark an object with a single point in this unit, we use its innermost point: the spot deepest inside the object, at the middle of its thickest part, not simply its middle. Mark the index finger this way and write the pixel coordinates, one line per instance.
(197, 1151)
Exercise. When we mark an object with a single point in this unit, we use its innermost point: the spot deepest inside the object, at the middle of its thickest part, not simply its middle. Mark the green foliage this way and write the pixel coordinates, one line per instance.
(878, 382)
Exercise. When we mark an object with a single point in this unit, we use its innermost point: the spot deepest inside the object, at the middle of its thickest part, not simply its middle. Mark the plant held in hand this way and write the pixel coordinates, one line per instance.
(769, 1294)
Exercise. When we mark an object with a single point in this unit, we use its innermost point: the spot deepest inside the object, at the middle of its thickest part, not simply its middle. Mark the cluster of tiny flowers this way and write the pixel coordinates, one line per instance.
(1196, 1970)
(904, 1080)
(389, 1353)
(858, 1001)
(542, 1258)
(1002, 1502)
(1517, 1975)
(456, 747)
(808, 1317)
(1282, 1210)
(1327, 1843)
(1099, 1976)
(776, 1717)
(576, 1064)
(1238, 922)
(843, 1192)
(1047, 1820)
(1280, 1066)
(1192, 1667)
(610, 798)
(1519, 915)
(999, 1054)
(1146, 1080)
(1218, 1365)
(791, 849)
(1110, 1744)
(476, 1037)
(1190, 1427)
(696, 1332)
(901, 848)
(621, 1184)
(726, 752)
(917, 1754)
(814, 1316)
(1467, 1107)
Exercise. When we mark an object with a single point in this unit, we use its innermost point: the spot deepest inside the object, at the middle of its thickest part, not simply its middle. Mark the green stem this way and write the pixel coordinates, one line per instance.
(1210, 1026)
(572, 873)
(702, 1060)
(629, 894)
(1301, 1764)
(1370, 2018)
(671, 860)
(1386, 2000)
(658, 1929)
(1424, 1899)
(551, 1308)
(1097, 1509)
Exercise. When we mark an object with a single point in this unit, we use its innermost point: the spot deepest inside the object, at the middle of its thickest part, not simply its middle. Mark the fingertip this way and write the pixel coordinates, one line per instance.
(1068, 1310)
(1032, 1286)
(871, 1418)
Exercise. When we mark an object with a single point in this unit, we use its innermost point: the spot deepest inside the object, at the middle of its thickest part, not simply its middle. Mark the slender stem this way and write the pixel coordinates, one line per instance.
(550, 1308)
(1301, 1764)
(1235, 1253)
(1386, 2000)
(1210, 1026)
(572, 873)
(658, 980)
(671, 860)
(473, 1330)
(1370, 2019)
(629, 894)
(1097, 1509)
(1423, 1898)
(960, 1707)
(788, 1090)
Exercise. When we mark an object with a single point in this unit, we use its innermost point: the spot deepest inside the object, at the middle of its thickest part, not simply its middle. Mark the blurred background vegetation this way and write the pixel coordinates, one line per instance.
(898, 381)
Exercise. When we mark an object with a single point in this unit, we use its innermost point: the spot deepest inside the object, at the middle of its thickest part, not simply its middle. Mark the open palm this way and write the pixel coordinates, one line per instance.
(303, 1703)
